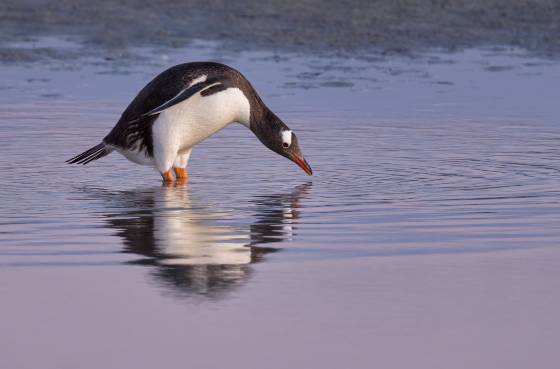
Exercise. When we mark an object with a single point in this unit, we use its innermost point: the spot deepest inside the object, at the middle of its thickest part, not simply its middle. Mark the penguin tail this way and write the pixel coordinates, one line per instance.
(92, 154)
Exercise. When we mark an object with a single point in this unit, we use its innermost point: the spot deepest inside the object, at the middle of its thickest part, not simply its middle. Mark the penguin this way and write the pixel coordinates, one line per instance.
(183, 106)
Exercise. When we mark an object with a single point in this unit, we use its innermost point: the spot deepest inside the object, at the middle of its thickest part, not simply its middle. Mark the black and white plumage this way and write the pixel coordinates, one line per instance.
(184, 105)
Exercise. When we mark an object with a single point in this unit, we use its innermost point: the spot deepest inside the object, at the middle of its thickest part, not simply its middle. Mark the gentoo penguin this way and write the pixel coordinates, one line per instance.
(183, 106)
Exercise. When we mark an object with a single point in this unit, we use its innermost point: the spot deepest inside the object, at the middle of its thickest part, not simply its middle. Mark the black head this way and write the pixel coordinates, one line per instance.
(276, 135)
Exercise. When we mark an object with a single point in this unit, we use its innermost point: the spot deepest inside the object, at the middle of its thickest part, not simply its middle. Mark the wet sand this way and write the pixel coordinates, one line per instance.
(333, 27)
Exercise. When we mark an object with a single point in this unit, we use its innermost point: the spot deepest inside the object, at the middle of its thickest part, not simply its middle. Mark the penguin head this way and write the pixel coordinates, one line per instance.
(289, 148)
(278, 137)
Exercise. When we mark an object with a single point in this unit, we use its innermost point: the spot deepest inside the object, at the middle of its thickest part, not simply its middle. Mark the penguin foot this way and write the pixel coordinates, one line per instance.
(168, 176)
(181, 174)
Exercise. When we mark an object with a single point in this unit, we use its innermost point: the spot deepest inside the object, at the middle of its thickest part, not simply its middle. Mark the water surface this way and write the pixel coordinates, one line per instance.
(427, 237)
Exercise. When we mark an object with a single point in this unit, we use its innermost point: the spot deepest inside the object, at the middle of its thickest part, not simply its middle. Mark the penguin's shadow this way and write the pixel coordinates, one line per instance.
(190, 248)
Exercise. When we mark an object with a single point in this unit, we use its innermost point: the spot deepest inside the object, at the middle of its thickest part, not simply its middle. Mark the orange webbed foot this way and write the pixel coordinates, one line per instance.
(168, 176)
(181, 174)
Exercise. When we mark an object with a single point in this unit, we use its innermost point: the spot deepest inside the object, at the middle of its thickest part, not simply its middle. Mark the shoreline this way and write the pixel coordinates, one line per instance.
(333, 28)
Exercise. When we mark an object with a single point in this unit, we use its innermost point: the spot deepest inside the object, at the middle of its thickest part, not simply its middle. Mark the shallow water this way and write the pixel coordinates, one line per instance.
(427, 237)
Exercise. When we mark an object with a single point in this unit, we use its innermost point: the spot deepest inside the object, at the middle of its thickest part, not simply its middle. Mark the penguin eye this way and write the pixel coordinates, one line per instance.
(286, 145)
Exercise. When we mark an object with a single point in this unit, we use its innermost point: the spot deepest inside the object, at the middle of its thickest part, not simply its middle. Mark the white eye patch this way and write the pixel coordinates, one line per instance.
(286, 138)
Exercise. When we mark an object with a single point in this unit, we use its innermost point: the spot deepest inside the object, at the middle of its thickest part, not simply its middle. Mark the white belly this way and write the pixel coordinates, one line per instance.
(184, 125)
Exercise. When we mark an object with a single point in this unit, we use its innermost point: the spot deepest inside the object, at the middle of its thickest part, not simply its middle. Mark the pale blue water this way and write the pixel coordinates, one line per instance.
(427, 237)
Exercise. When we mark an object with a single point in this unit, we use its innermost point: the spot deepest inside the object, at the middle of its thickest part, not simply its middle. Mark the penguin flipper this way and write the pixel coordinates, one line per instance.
(188, 92)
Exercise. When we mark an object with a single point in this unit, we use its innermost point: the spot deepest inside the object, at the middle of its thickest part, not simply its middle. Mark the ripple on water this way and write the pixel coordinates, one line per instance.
(381, 187)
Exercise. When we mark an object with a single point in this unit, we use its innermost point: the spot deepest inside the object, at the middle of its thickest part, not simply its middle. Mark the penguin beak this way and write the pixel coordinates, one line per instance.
(302, 163)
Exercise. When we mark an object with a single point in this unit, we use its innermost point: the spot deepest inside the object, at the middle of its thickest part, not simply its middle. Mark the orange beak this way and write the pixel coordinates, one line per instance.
(302, 163)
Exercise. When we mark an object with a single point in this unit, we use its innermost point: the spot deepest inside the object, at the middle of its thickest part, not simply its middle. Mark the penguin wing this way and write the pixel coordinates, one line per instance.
(205, 88)
(175, 85)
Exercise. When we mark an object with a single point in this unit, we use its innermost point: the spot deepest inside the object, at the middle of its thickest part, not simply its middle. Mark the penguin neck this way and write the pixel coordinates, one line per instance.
(266, 125)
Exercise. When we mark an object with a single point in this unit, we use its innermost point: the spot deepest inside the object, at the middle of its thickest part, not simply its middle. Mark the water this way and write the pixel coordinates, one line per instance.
(427, 237)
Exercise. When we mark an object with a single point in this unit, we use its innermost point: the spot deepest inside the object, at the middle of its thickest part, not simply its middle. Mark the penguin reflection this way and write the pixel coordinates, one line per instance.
(193, 253)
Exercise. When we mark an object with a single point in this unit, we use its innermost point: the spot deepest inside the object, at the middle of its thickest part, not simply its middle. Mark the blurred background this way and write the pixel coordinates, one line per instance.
(400, 26)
